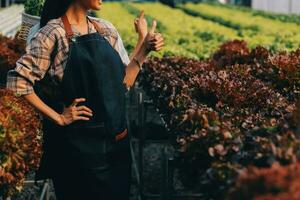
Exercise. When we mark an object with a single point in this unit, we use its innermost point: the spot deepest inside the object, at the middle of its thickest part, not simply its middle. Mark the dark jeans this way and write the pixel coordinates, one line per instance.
(105, 182)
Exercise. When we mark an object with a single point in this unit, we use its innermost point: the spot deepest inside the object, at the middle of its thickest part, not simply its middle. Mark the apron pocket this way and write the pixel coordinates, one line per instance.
(87, 148)
(87, 131)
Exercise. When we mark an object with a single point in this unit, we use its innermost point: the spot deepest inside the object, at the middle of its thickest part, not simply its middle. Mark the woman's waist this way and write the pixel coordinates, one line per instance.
(91, 124)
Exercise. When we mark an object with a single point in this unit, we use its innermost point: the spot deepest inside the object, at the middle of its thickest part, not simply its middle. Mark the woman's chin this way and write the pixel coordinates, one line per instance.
(98, 7)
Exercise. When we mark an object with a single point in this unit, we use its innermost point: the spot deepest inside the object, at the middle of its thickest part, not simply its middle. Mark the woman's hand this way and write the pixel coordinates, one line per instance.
(74, 113)
(141, 26)
(153, 41)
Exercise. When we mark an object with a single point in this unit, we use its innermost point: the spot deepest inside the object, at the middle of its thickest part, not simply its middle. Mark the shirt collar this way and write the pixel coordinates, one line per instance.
(91, 29)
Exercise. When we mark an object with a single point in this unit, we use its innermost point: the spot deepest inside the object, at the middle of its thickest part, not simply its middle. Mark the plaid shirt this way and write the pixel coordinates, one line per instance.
(47, 52)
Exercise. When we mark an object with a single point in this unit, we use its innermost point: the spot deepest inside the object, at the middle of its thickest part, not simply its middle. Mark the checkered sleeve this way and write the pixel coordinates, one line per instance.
(122, 51)
(33, 65)
(119, 45)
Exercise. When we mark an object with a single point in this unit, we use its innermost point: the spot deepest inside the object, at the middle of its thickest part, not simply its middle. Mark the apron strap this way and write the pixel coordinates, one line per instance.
(96, 25)
(68, 29)
(100, 30)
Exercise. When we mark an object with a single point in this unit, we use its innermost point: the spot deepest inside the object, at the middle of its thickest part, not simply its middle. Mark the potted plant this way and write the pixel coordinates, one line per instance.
(30, 17)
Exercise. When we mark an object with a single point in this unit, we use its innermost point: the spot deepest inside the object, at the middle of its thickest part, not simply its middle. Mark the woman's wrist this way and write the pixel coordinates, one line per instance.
(140, 43)
(141, 55)
(138, 46)
(137, 62)
(59, 120)
(144, 51)
(141, 38)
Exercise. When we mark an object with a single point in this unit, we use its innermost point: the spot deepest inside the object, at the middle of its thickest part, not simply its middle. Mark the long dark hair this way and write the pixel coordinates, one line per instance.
(54, 9)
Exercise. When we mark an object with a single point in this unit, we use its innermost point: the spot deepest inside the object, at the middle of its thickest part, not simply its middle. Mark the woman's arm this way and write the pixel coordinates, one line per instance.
(69, 115)
(31, 67)
(153, 41)
(140, 25)
(132, 69)
(137, 47)
(43, 108)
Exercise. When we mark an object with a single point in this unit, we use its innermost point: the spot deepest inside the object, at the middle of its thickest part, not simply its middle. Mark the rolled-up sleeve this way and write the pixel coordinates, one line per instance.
(33, 65)
(119, 45)
(122, 51)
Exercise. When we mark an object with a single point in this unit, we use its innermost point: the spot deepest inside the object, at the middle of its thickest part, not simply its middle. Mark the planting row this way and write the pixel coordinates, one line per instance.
(252, 28)
(196, 30)
(292, 18)
(20, 135)
(223, 116)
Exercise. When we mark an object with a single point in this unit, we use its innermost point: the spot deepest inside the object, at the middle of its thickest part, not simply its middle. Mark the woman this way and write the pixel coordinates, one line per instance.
(80, 70)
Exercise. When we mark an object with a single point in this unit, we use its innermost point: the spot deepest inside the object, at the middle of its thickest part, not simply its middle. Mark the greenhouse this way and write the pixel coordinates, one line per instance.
(142, 100)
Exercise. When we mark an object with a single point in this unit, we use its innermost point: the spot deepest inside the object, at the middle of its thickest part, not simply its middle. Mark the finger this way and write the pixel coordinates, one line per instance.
(157, 35)
(83, 112)
(81, 118)
(79, 108)
(153, 28)
(142, 13)
(136, 20)
(76, 101)
(159, 46)
(152, 40)
(159, 43)
(135, 23)
(156, 43)
(158, 49)
(157, 40)
(155, 46)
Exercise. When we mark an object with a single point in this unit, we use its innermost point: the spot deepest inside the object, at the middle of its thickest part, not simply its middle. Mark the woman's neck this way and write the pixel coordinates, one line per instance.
(76, 14)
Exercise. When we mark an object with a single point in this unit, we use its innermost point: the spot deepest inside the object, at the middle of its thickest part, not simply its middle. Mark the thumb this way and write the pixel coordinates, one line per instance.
(136, 21)
(141, 15)
(153, 28)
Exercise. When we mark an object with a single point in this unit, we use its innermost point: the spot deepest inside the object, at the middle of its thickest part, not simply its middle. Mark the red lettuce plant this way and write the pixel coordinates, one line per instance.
(10, 51)
(224, 115)
(280, 70)
(275, 183)
(20, 141)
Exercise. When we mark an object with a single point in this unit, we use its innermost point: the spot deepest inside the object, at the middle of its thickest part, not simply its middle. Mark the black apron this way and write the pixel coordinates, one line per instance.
(85, 152)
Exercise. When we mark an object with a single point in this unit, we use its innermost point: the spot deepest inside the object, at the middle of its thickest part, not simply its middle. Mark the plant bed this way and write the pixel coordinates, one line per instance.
(224, 118)
(10, 51)
(20, 142)
(276, 183)
(155, 152)
(33, 192)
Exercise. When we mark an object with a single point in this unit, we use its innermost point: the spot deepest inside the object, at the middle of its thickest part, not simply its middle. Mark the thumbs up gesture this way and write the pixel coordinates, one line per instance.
(153, 41)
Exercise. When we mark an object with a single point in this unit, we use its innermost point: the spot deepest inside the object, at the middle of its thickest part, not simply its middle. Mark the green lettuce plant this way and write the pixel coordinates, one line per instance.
(34, 7)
